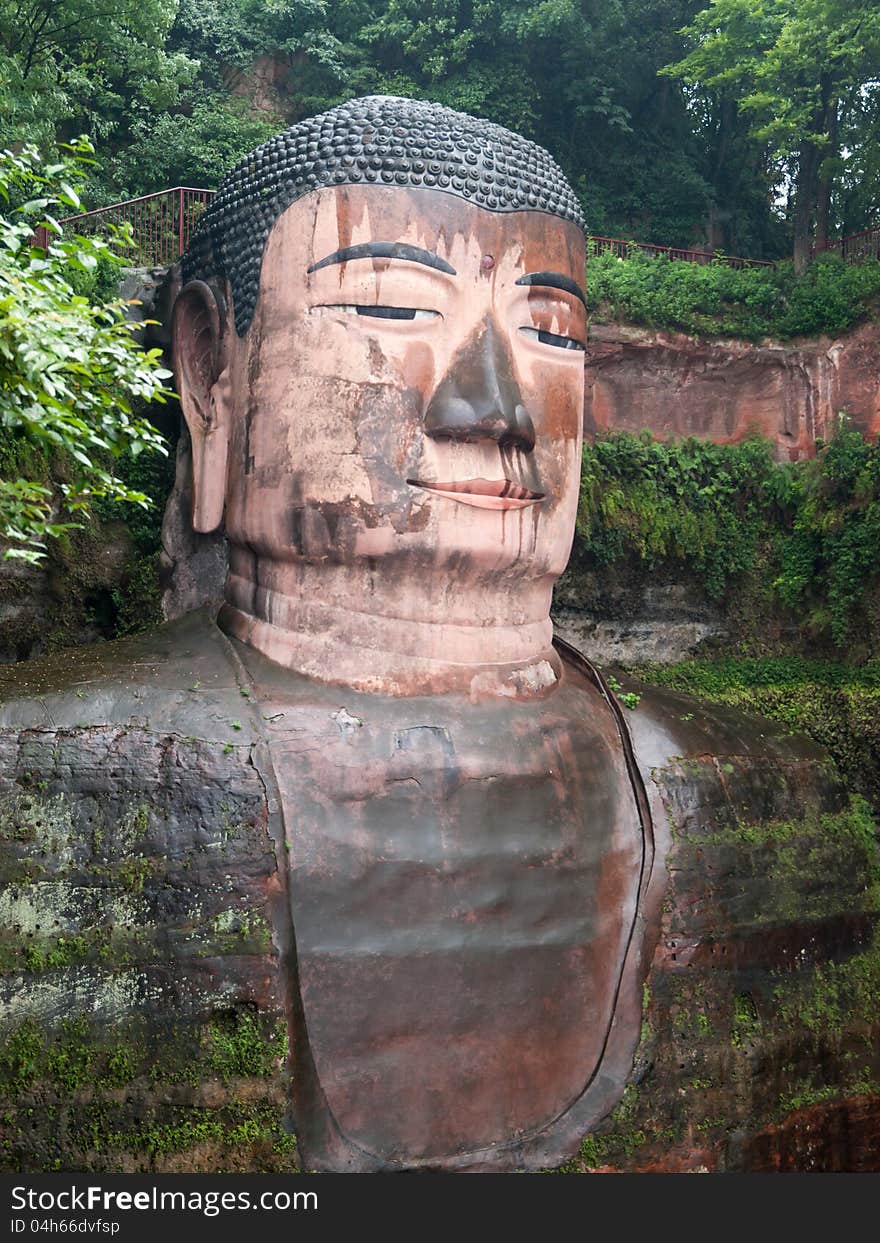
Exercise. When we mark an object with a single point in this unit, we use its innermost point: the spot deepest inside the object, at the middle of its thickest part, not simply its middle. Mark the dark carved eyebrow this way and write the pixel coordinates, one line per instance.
(554, 280)
(386, 250)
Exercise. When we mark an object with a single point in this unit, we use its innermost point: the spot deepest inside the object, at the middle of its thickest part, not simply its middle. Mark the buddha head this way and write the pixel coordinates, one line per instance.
(379, 349)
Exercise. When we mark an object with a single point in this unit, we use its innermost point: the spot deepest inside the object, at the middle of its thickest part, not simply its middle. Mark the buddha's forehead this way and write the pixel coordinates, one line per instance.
(459, 232)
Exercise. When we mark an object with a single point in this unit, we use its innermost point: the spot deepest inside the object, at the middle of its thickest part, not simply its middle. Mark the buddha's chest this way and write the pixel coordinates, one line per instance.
(462, 890)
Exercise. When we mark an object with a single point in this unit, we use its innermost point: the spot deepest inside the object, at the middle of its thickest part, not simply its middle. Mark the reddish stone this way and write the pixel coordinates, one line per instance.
(830, 1138)
(676, 385)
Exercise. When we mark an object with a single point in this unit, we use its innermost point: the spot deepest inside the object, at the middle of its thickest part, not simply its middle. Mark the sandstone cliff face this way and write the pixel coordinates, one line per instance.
(759, 1047)
(623, 614)
(676, 386)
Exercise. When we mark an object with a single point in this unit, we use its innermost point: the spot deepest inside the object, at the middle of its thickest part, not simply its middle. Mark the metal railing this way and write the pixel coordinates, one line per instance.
(857, 247)
(161, 224)
(625, 250)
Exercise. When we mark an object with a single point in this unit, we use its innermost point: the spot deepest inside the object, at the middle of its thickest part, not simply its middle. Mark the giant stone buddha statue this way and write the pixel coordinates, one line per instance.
(379, 349)
(379, 344)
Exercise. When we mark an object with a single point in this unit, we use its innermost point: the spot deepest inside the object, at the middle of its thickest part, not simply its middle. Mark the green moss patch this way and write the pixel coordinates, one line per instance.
(136, 1097)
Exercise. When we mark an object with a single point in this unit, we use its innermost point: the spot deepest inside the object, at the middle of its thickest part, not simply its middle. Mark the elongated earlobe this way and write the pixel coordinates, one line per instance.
(203, 384)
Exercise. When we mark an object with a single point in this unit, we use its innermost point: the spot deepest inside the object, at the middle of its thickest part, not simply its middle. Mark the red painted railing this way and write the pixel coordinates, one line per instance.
(858, 246)
(163, 223)
(625, 250)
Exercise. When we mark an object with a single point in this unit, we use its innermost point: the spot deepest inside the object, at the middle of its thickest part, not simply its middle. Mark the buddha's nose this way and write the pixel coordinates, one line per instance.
(479, 398)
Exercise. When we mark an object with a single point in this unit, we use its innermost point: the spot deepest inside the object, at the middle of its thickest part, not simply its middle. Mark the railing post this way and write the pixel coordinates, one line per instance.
(180, 214)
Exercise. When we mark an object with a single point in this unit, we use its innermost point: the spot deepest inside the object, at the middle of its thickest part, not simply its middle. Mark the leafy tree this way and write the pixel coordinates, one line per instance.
(262, 66)
(857, 192)
(71, 371)
(753, 96)
(193, 148)
(68, 66)
(235, 33)
(794, 68)
(578, 76)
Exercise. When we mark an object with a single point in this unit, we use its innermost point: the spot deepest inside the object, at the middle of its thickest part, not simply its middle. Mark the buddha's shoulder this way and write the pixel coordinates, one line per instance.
(667, 727)
(713, 765)
(182, 677)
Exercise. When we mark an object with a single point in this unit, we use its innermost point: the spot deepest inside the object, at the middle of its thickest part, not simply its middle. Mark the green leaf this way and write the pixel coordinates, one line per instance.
(67, 194)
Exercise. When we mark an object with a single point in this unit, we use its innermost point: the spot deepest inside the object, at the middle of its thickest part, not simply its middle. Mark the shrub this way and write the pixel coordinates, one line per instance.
(809, 530)
(70, 368)
(717, 300)
(708, 505)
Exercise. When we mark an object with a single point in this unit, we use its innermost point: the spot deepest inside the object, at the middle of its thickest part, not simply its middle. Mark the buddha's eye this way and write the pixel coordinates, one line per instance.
(385, 312)
(552, 338)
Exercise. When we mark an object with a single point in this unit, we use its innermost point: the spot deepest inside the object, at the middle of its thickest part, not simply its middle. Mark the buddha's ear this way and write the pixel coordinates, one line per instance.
(202, 379)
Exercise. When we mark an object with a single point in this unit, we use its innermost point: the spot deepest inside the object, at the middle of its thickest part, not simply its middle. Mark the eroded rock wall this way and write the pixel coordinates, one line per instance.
(677, 386)
(141, 1022)
(760, 1044)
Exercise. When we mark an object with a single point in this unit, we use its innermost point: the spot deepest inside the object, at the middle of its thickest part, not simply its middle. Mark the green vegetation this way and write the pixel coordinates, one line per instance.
(84, 65)
(137, 598)
(691, 501)
(233, 1045)
(737, 123)
(853, 826)
(629, 699)
(789, 68)
(76, 1071)
(715, 300)
(838, 705)
(70, 368)
(806, 534)
(812, 868)
(238, 1046)
(727, 679)
(238, 1126)
(841, 994)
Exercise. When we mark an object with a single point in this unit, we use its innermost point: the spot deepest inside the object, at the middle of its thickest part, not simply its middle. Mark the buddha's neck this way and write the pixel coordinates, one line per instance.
(371, 629)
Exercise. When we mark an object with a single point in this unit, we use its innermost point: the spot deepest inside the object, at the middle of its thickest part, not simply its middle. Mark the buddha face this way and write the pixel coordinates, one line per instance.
(411, 387)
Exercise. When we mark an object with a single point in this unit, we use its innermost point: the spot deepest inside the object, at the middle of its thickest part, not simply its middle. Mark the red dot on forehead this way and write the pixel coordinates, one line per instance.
(487, 263)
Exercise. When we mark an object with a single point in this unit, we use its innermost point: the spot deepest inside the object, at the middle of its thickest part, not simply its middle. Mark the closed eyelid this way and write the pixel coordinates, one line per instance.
(380, 311)
(556, 339)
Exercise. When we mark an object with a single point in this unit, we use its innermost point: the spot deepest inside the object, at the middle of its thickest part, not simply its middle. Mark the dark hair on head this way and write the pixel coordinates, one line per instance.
(379, 140)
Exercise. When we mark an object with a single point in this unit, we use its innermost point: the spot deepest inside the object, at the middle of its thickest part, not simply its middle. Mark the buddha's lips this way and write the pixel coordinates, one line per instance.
(483, 493)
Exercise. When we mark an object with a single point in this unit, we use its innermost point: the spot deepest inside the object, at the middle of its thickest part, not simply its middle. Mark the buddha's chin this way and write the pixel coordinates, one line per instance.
(490, 560)
(477, 536)
(452, 545)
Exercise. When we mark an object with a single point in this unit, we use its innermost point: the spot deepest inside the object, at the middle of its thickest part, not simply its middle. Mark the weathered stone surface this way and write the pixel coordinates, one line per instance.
(193, 565)
(676, 386)
(761, 1018)
(140, 1012)
(839, 1137)
(615, 617)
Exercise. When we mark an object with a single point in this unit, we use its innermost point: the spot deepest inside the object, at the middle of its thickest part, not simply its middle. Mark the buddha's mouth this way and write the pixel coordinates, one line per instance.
(483, 493)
